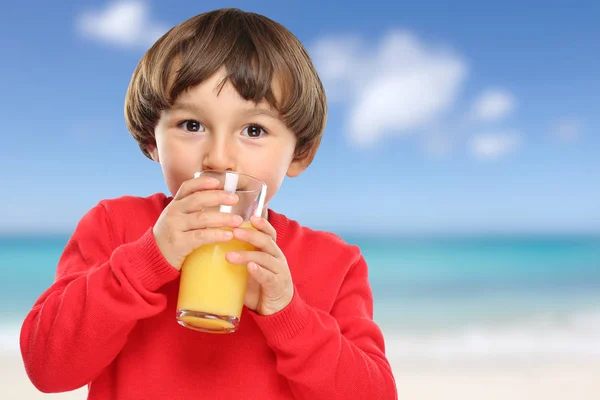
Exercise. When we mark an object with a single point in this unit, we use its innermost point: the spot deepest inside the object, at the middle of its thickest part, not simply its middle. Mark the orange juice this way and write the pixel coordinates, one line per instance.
(212, 290)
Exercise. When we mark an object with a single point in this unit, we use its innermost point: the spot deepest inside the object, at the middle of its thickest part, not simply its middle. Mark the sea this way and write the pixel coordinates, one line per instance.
(435, 298)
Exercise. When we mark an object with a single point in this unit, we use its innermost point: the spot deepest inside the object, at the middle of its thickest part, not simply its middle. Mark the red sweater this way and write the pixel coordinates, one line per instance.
(108, 322)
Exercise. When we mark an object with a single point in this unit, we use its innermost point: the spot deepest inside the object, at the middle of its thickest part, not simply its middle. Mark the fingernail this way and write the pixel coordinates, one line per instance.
(233, 256)
(237, 220)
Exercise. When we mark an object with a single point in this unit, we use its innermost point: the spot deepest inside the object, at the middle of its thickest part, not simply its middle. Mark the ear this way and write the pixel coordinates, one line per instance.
(153, 151)
(298, 165)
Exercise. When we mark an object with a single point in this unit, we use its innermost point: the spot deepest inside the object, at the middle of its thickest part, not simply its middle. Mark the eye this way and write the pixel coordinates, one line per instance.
(192, 126)
(254, 131)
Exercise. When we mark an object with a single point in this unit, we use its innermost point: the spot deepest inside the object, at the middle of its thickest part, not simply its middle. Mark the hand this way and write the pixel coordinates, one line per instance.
(270, 288)
(183, 226)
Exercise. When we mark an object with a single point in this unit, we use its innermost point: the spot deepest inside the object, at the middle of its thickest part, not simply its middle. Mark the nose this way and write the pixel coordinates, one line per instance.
(220, 154)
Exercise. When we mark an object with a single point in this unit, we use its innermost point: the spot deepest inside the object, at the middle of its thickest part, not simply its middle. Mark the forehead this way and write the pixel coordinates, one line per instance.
(218, 97)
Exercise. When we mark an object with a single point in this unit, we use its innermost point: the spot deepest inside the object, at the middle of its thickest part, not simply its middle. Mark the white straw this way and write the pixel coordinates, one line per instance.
(231, 181)
(261, 201)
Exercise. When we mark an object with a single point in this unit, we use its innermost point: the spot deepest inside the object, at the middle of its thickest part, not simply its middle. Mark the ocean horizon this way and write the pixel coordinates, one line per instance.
(436, 297)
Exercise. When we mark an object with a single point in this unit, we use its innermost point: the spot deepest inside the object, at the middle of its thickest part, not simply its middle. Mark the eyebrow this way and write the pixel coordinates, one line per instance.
(251, 112)
(185, 107)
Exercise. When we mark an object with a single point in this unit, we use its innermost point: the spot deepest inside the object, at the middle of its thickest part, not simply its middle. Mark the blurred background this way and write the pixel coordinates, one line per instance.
(461, 154)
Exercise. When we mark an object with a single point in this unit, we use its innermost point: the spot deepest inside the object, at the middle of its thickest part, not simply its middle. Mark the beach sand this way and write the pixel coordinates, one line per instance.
(547, 381)
(15, 384)
(419, 381)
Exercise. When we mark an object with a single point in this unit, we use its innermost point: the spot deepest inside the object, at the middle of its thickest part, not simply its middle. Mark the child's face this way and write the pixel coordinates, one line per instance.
(207, 129)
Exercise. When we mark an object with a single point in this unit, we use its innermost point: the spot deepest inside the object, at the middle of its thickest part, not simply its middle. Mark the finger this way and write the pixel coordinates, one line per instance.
(259, 240)
(261, 258)
(211, 219)
(264, 277)
(207, 198)
(265, 226)
(193, 185)
(201, 237)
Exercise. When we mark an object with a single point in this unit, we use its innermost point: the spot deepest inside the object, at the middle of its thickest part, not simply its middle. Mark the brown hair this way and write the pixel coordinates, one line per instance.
(254, 51)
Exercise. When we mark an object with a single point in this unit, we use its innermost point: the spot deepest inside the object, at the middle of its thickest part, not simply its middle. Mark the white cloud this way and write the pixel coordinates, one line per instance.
(125, 23)
(492, 105)
(494, 145)
(396, 86)
(567, 129)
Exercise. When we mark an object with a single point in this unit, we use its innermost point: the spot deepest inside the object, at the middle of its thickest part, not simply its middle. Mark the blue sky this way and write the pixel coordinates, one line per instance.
(473, 117)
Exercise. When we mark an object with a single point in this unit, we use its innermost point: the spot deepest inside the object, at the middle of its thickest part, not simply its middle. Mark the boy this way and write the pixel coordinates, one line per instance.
(225, 90)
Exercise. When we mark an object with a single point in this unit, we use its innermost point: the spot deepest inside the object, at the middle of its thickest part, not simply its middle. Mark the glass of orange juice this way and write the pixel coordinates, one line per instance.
(211, 290)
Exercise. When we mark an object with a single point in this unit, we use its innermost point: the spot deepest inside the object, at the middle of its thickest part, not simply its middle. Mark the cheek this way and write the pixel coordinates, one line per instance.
(173, 179)
(272, 170)
(177, 165)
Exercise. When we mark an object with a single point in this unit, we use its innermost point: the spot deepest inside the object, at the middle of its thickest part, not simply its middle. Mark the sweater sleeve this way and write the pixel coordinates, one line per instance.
(332, 356)
(78, 326)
